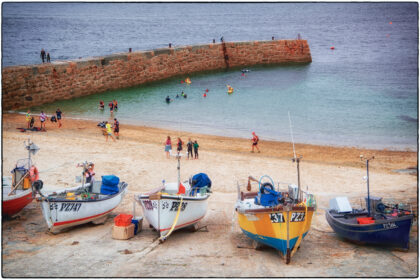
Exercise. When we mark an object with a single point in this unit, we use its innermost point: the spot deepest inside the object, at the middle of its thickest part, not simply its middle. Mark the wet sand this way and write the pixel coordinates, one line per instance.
(220, 250)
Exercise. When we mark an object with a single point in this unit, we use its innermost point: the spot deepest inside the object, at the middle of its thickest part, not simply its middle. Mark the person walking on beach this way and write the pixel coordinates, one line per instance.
(108, 131)
(190, 148)
(58, 113)
(43, 55)
(48, 57)
(43, 118)
(179, 145)
(196, 149)
(255, 140)
(116, 128)
(168, 146)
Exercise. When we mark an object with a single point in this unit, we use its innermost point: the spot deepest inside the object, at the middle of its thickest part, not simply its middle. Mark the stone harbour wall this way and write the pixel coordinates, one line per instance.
(33, 85)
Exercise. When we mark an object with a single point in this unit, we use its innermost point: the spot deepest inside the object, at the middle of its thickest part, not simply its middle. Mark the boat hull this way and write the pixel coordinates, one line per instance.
(393, 232)
(61, 214)
(11, 205)
(270, 228)
(161, 213)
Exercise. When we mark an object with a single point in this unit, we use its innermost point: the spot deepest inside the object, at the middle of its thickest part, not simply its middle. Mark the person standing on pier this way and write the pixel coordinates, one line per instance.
(43, 55)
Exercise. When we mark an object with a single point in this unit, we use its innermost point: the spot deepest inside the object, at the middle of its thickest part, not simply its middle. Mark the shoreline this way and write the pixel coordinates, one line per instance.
(387, 160)
(169, 128)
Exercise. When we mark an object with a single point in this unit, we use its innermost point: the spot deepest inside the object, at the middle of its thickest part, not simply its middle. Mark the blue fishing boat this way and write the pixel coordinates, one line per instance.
(380, 224)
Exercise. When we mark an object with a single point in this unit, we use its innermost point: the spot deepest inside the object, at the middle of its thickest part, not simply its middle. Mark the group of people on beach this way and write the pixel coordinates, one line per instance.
(190, 147)
(113, 105)
(30, 120)
(107, 130)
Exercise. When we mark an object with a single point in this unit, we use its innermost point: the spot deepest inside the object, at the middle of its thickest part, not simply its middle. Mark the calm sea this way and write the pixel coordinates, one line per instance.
(364, 93)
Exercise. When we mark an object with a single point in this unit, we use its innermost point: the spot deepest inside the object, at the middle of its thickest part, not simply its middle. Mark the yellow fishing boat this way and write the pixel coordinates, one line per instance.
(279, 219)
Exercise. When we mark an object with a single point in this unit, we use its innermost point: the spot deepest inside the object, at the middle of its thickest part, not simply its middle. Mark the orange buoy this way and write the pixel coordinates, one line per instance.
(390, 22)
(332, 48)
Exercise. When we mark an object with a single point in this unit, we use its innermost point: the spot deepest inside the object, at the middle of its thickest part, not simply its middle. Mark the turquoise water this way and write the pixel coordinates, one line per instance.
(321, 111)
(364, 93)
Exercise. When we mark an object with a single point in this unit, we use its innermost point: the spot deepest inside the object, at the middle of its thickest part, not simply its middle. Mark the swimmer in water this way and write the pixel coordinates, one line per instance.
(168, 99)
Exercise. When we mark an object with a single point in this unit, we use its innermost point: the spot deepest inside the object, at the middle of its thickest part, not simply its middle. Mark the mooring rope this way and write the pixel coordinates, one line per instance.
(162, 238)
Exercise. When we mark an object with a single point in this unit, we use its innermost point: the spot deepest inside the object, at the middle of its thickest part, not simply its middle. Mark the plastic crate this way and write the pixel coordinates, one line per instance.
(123, 220)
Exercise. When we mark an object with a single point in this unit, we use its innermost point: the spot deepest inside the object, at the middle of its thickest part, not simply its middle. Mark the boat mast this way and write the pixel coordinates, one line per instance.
(178, 156)
(367, 180)
(295, 158)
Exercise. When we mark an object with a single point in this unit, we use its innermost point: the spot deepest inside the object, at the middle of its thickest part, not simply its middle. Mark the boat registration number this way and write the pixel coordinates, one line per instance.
(276, 217)
(279, 218)
(297, 217)
(389, 225)
(66, 207)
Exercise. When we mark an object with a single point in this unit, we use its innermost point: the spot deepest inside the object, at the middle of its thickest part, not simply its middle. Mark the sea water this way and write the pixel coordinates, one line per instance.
(362, 93)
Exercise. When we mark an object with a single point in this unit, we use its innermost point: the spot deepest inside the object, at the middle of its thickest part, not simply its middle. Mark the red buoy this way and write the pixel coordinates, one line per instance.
(207, 90)
(332, 48)
(390, 22)
(204, 95)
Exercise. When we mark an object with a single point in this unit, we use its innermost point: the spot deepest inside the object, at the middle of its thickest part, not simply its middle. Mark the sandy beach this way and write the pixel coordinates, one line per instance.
(28, 250)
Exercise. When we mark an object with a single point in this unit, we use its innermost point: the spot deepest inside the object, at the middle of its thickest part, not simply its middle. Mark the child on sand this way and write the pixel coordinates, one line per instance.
(28, 118)
(190, 148)
(168, 146)
(196, 149)
(108, 131)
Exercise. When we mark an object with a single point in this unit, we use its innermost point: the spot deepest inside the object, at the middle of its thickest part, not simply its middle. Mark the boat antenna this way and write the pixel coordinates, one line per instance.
(295, 158)
(178, 156)
(291, 133)
(367, 179)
